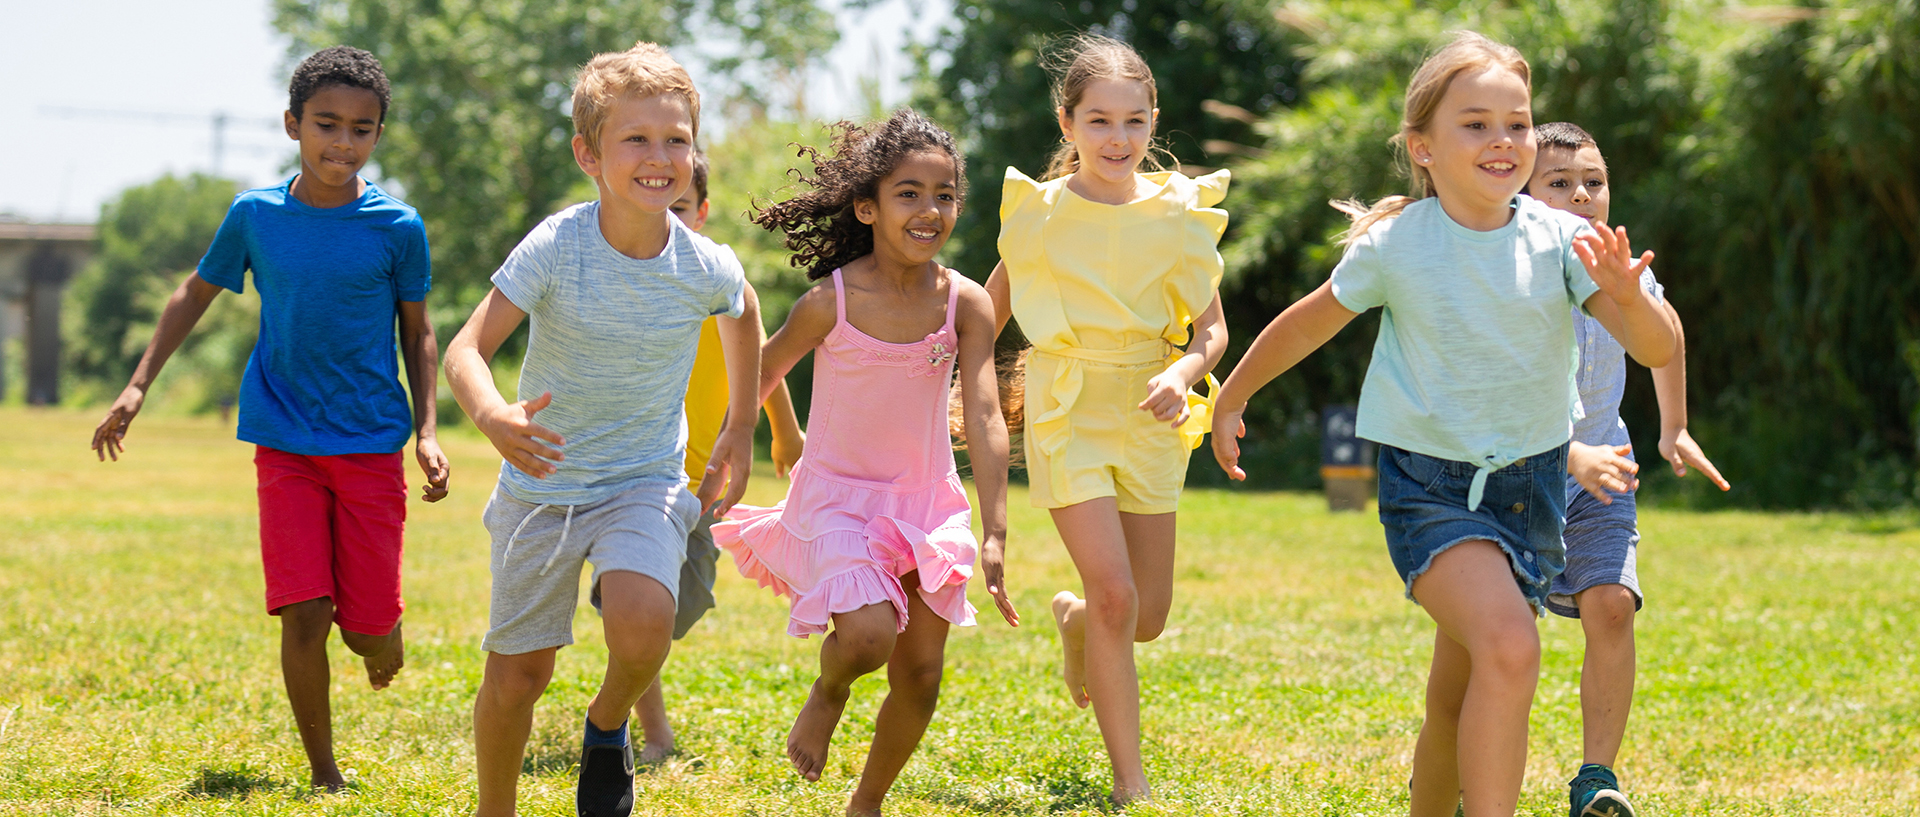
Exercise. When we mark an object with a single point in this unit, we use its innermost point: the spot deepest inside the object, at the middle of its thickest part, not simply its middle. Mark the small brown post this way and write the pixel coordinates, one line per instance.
(1346, 467)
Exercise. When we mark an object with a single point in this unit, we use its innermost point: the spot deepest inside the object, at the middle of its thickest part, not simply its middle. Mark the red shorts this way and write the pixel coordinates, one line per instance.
(330, 527)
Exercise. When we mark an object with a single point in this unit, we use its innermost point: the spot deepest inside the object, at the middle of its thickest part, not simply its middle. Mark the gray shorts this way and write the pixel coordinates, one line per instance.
(1601, 544)
(538, 550)
(696, 577)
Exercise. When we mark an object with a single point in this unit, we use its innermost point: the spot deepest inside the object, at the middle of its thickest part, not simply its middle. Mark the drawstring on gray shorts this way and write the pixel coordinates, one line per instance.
(565, 528)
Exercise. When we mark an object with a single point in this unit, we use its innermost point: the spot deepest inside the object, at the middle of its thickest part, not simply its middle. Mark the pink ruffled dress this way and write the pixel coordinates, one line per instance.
(876, 496)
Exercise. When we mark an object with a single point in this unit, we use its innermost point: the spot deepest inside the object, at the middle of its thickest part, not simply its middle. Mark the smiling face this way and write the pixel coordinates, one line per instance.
(337, 131)
(1110, 129)
(915, 209)
(1574, 181)
(645, 160)
(1479, 145)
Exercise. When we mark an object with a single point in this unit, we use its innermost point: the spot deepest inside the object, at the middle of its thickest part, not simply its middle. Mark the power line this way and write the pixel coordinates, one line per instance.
(218, 121)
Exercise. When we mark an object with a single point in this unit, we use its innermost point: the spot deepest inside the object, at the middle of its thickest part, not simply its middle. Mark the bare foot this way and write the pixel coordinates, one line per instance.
(383, 665)
(1069, 615)
(655, 750)
(1130, 796)
(853, 811)
(813, 731)
(329, 782)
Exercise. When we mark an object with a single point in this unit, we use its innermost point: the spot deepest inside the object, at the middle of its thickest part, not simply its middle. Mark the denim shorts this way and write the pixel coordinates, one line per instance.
(1423, 506)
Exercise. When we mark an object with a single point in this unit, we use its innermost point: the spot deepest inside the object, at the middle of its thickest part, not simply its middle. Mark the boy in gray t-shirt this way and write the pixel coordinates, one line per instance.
(1600, 585)
(616, 291)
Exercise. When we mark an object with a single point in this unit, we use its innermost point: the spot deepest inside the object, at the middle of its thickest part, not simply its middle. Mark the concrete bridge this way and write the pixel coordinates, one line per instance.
(36, 261)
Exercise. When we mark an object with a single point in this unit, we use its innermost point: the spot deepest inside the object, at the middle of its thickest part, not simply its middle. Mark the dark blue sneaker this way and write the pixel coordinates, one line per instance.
(1595, 792)
(606, 782)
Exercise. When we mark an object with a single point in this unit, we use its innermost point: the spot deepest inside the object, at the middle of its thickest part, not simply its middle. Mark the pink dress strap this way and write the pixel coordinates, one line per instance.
(839, 301)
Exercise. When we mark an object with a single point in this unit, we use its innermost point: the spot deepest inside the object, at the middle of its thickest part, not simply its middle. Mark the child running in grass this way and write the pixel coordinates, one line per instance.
(337, 260)
(875, 535)
(616, 291)
(1107, 268)
(1600, 585)
(1469, 394)
(706, 409)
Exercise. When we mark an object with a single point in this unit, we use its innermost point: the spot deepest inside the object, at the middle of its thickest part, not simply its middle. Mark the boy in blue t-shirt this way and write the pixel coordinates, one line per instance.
(615, 292)
(337, 261)
(1600, 585)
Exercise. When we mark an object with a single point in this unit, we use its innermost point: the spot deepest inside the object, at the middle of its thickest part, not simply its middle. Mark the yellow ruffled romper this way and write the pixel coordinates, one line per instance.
(1106, 292)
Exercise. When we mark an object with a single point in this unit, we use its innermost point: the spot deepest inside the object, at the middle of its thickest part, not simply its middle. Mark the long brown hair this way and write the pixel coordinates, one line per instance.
(1084, 58)
(1468, 51)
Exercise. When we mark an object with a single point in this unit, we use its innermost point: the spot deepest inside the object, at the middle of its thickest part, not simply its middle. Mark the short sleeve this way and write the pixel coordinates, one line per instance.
(730, 296)
(1015, 192)
(1652, 286)
(413, 269)
(527, 274)
(227, 260)
(1580, 285)
(1212, 188)
(1360, 279)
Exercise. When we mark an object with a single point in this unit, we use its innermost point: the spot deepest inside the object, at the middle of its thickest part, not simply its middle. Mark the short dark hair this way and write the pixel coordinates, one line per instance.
(1563, 135)
(700, 177)
(339, 65)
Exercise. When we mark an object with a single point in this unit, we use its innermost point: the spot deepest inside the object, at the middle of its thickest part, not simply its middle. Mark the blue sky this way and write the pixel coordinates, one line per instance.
(149, 77)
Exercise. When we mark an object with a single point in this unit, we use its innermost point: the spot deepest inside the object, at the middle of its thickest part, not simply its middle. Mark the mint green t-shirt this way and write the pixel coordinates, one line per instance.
(1475, 357)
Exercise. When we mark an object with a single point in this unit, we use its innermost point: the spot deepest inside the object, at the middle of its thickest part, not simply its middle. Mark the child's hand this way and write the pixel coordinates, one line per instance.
(434, 464)
(518, 438)
(1603, 470)
(109, 439)
(786, 452)
(1227, 431)
(993, 562)
(1609, 260)
(1679, 448)
(1167, 398)
(727, 468)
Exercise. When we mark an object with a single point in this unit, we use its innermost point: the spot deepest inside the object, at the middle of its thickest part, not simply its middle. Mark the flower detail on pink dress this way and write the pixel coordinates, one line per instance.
(924, 359)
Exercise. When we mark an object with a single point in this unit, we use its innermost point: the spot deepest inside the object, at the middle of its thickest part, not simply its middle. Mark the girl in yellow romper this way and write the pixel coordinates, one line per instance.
(1106, 268)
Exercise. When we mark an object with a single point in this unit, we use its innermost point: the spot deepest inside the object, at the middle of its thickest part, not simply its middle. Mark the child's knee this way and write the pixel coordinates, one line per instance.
(1113, 603)
(517, 681)
(1150, 625)
(1513, 653)
(310, 619)
(1607, 608)
(866, 637)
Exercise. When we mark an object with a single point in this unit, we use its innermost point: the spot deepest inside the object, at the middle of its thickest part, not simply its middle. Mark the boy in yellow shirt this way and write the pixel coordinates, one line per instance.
(706, 411)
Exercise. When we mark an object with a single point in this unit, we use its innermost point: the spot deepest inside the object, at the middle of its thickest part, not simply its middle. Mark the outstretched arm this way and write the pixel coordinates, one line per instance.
(1670, 387)
(1302, 328)
(807, 326)
(986, 436)
(422, 355)
(1002, 297)
(789, 442)
(183, 310)
(1632, 314)
(509, 426)
(732, 459)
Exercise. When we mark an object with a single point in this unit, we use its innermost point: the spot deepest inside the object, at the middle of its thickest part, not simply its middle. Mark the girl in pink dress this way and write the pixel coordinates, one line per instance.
(875, 535)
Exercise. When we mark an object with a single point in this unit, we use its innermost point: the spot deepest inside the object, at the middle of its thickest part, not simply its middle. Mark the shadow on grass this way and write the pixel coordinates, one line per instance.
(232, 782)
(1061, 788)
(554, 756)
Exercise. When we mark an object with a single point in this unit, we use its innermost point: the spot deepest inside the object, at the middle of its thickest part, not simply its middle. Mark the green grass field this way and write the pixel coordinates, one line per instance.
(138, 672)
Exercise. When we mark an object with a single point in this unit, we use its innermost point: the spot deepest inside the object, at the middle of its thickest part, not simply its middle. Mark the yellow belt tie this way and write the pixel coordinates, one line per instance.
(1050, 431)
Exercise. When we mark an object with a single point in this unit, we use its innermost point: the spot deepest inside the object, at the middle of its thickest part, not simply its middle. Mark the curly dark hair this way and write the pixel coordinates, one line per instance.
(339, 65)
(821, 229)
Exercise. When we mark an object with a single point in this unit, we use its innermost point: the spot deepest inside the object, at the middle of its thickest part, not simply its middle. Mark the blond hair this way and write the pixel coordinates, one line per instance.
(1085, 58)
(1468, 51)
(644, 70)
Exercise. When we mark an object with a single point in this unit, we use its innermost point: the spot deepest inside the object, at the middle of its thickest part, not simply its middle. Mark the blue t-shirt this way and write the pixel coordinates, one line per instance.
(613, 339)
(1475, 357)
(324, 377)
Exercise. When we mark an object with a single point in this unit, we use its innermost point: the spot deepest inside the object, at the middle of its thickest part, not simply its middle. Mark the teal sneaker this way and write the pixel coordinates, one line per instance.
(1595, 792)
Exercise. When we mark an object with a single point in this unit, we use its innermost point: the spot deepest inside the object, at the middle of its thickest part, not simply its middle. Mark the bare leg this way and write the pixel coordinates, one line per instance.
(1097, 542)
(913, 689)
(1070, 617)
(637, 617)
(502, 719)
(1150, 546)
(1471, 594)
(303, 663)
(651, 711)
(1606, 674)
(1436, 770)
(384, 654)
(860, 643)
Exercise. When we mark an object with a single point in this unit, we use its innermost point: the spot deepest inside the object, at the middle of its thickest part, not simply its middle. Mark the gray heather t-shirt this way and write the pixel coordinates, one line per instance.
(1602, 376)
(613, 338)
(1475, 356)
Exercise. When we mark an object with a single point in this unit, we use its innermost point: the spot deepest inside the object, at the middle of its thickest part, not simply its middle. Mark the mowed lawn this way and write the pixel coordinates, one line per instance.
(139, 674)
